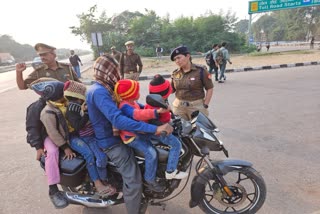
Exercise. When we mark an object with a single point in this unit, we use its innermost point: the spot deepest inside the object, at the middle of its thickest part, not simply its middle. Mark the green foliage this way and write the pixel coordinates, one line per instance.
(288, 25)
(148, 30)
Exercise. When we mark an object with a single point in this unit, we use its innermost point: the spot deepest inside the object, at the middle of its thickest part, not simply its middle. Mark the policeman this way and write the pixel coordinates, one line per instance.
(191, 84)
(50, 68)
(129, 61)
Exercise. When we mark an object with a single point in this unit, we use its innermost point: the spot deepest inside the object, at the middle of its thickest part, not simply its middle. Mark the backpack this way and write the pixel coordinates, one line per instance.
(219, 57)
(210, 60)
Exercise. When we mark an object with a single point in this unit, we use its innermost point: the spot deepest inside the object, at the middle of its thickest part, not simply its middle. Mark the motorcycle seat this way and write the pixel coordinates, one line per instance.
(162, 153)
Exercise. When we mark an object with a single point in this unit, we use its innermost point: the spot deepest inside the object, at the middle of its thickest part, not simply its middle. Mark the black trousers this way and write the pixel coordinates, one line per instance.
(123, 157)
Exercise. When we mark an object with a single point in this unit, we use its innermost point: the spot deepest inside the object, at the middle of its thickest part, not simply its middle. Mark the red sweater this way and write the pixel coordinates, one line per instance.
(163, 117)
(136, 112)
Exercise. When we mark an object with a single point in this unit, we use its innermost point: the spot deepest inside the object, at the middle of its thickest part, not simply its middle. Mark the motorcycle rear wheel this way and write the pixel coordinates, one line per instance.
(249, 193)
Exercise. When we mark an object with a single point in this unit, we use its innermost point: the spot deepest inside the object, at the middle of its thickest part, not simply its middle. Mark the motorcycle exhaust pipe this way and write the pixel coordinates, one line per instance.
(90, 201)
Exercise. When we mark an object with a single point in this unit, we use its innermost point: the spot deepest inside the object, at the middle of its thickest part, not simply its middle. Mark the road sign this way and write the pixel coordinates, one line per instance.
(96, 39)
(260, 6)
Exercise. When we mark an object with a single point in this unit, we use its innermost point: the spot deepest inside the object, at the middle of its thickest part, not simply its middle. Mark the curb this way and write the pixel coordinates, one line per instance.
(245, 69)
(268, 67)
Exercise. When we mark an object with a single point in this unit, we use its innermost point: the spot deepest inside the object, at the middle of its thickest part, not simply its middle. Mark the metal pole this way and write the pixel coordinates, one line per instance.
(97, 43)
(249, 28)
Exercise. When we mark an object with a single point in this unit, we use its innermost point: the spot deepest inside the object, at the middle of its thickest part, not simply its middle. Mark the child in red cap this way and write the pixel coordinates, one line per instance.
(158, 85)
(126, 94)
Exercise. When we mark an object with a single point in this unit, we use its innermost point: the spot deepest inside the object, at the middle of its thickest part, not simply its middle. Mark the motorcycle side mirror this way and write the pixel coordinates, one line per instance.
(156, 100)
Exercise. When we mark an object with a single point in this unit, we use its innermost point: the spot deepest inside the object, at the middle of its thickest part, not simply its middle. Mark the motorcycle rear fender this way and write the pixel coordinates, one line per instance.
(206, 174)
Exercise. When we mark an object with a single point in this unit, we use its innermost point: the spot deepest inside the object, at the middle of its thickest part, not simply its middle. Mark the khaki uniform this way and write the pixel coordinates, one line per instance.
(63, 73)
(128, 66)
(189, 90)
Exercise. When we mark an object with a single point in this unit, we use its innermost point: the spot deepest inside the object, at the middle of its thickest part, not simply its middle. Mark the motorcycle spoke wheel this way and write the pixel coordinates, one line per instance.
(248, 188)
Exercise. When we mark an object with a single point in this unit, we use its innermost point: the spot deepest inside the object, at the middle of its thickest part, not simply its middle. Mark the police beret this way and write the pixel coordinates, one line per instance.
(177, 51)
(129, 43)
(42, 48)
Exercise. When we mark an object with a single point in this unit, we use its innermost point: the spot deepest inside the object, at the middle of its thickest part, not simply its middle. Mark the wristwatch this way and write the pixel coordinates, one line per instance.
(205, 105)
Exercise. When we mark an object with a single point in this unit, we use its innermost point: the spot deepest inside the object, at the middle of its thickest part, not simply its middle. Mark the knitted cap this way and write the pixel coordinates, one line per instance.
(74, 89)
(51, 90)
(126, 89)
(159, 85)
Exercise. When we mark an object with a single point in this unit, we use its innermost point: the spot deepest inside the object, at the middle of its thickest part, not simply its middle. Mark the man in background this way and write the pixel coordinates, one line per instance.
(129, 61)
(75, 60)
(159, 51)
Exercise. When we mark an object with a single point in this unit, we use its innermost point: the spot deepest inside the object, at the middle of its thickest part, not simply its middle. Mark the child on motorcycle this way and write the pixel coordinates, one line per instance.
(82, 137)
(158, 85)
(126, 94)
(58, 129)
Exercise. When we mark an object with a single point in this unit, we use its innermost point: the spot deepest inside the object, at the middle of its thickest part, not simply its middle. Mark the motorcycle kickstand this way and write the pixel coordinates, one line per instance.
(162, 205)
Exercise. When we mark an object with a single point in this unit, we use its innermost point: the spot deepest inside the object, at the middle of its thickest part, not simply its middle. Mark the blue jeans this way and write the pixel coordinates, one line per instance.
(174, 151)
(95, 158)
(222, 70)
(143, 144)
(77, 70)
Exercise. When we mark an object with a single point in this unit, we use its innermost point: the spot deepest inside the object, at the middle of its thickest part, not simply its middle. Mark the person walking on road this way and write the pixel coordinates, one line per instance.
(129, 61)
(312, 42)
(50, 68)
(75, 60)
(223, 63)
(210, 57)
(189, 83)
(159, 51)
(104, 114)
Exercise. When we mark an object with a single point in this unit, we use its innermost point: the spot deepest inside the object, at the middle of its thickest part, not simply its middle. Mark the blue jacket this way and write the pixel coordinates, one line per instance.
(104, 113)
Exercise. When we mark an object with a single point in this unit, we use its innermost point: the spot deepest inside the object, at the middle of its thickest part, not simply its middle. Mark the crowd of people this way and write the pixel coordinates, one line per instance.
(106, 121)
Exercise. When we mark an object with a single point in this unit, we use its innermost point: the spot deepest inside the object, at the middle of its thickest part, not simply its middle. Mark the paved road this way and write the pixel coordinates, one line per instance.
(270, 118)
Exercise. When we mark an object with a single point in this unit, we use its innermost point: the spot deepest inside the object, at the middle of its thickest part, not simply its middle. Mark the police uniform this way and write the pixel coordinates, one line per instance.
(128, 64)
(63, 73)
(189, 88)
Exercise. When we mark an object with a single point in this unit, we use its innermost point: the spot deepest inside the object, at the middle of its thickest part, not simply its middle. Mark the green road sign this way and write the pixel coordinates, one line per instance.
(260, 6)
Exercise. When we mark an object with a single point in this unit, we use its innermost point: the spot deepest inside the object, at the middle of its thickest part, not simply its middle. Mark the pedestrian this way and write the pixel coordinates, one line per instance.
(52, 93)
(129, 61)
(74, 61)
(82, 139)
(159, 51)
(104, 114)
(210, 57)
(50, 68)
(116, 54)
(223, 63)
(191, 84)
(268, 46)
(312, 42)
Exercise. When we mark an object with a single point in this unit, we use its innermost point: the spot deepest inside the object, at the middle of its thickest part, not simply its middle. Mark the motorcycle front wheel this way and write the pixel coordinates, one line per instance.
(247, 186)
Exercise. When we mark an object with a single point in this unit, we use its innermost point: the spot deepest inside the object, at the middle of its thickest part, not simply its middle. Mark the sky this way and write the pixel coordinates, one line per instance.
(33, 21)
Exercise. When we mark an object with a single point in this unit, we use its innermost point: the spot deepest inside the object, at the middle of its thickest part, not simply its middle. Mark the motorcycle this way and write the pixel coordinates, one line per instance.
(219, 186)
